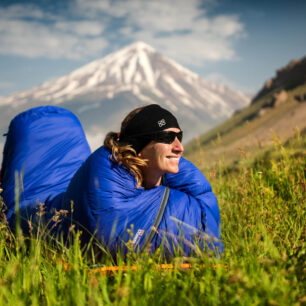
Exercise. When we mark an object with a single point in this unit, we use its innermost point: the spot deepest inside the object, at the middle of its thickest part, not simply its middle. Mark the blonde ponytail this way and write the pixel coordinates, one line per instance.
(125, 155)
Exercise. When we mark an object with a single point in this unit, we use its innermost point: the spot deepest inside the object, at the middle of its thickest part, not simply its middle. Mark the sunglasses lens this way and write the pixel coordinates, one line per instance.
(168, 137)
(179, 136)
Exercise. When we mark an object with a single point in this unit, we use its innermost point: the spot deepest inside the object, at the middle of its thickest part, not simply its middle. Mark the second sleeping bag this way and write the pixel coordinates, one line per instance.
(44, 147)
(107, 203)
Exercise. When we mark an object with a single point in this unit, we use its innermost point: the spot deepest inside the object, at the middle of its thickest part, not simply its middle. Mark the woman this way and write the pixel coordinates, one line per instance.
(147, 145)
(138, 188)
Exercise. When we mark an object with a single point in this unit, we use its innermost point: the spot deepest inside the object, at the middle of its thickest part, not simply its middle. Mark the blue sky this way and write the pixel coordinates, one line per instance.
(239, 43)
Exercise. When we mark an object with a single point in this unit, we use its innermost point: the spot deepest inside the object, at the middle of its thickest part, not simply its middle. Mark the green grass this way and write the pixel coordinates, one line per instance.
(262, 205)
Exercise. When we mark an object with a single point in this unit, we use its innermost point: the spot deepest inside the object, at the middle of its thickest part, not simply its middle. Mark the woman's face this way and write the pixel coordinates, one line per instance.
(163, 158)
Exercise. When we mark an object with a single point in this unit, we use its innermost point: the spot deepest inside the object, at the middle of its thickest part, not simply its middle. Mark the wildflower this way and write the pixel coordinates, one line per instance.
(41, 210)
(58, 214)
(30, 227)
(71, 228)
(57, 217)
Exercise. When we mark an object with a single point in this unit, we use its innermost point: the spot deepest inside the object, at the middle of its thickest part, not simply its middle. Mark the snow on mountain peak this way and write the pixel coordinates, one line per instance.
(139, 45)
(129, 65)
(139, 69)
(102, 92)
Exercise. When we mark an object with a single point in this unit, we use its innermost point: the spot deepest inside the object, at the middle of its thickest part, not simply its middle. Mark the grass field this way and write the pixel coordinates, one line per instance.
(262, 204)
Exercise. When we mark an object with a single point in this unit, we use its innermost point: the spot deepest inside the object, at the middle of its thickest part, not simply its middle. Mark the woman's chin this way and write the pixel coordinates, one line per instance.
(173, 169)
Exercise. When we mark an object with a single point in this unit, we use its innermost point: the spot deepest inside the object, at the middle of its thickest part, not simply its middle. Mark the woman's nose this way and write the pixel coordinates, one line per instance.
(177, 145)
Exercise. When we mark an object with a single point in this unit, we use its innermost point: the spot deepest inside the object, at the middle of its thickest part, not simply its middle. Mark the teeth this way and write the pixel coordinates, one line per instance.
(175, 158)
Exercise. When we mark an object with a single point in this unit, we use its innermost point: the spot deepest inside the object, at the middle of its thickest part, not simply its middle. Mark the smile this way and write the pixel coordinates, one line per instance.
(173, 157)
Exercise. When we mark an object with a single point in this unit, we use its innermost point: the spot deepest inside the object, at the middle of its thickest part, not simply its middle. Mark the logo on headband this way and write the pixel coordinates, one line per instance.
(161, 122)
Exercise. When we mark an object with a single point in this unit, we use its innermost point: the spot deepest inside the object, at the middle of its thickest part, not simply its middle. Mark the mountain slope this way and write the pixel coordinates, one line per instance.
(287, 77)
(277, 114)
(102, 92)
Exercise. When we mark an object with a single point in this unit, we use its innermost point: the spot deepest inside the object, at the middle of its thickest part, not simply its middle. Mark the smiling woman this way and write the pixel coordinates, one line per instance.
(150, 138)
(140, 180)
(161, 157)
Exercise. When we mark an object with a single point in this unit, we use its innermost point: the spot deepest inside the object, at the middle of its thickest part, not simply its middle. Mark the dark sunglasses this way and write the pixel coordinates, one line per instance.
(165, 136)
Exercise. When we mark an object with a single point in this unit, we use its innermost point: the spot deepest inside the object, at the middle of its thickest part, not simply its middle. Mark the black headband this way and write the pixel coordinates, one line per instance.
(150, 119)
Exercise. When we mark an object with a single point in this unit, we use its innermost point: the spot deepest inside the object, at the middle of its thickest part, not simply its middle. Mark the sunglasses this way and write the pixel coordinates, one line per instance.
(165, 136)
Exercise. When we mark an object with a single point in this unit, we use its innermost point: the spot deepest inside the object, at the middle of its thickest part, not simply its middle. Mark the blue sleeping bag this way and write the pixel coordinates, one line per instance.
(107, 204)
(44, 147)
(47, 160)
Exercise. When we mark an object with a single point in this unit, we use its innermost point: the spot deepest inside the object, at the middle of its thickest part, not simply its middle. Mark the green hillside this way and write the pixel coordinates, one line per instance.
(252, 129)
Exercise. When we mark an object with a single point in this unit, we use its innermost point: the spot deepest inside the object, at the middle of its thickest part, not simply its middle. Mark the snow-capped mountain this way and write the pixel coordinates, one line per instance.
(104, 91)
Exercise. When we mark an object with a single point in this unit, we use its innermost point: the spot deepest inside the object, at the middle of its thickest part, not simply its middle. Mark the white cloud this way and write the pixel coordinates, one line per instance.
(179, 29)
(92, 28)
(193, 49)
(93, 8)
(21, 11)
(160, 16)
(73, 40)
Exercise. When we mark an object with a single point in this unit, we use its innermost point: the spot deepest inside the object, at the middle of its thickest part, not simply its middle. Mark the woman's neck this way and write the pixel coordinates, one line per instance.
(151, 179)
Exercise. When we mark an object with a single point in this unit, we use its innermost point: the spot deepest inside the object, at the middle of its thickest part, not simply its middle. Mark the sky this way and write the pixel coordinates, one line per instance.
(237, 43)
